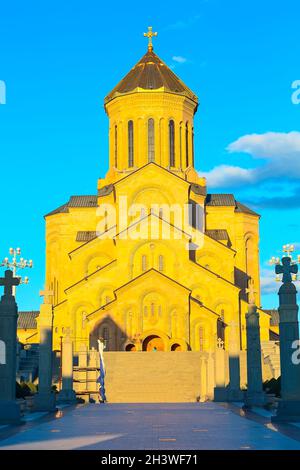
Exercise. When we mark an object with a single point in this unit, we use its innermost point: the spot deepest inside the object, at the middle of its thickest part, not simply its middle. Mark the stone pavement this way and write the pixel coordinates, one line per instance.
(190, 426)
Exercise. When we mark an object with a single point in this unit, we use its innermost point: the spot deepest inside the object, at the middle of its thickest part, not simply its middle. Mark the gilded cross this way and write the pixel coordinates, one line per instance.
(220, 343)
(150, 35)
(8, 282)
(251, 292)
(286, 268)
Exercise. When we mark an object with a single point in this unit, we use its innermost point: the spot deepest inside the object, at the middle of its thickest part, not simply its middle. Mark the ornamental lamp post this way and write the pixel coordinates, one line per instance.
(289, 406)
(16, 263)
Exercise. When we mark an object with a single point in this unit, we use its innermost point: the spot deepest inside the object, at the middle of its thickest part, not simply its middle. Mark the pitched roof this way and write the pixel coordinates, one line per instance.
(76, 201)
(86, 236)
(220, 200)
(151, 73)
(83, 201)
(274, 314)
(228, 200)
(218, 234)
(245, 209)
(27, 320)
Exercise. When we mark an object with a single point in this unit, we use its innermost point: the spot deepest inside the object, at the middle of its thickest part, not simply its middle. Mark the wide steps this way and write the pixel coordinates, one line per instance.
(152, 377)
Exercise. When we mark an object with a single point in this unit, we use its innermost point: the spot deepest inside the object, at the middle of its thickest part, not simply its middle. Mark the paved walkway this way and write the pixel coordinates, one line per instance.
(148, 426)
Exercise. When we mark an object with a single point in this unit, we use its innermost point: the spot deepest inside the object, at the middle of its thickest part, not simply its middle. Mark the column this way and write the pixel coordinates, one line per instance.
(220, 372)
(289, 406)
(67, 394)
(9, 409)
(254, 395)
(45, 399)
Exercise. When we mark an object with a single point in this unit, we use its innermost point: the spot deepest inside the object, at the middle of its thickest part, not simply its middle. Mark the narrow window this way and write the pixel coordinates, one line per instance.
(172, 143)
(187, 144)
(130, 144)
(180, 145)
(151, 141)
(116, 146)
(160, 263)
(193, 150)
(106, 337)
(144, 263)
(201, 338)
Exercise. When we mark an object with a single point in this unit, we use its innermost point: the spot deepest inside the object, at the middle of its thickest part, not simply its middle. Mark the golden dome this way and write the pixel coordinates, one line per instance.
(151, 73)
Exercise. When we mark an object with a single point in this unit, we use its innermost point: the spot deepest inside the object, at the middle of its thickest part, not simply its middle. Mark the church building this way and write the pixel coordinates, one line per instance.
(152, 261)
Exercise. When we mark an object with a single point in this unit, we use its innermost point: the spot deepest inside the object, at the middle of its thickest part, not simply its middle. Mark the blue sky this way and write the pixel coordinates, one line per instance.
(58, 61)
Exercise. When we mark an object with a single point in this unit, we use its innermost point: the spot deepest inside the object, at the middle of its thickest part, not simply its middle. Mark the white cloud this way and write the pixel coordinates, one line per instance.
(225, 175)
(271, 145)
(280, 152)
(179, 59)
(267, 281)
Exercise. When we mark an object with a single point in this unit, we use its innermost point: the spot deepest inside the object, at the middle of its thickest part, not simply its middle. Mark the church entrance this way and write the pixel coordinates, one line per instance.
(176, 347)
(130, 347)
(153, 343)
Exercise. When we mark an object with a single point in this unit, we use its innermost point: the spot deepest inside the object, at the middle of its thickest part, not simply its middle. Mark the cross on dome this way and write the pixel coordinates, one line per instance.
(150, 34)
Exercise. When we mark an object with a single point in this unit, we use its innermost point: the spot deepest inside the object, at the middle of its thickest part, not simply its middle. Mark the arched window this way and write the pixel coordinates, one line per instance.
(172, 143)
(160, 263)
(144, 263)
(187, 144)
(116, 146)
(180, 145)
(151, 141)
(130, 144)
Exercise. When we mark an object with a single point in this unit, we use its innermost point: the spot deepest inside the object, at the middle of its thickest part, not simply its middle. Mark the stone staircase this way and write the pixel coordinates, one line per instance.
(152, 377)
(271, 355)
(28, 363)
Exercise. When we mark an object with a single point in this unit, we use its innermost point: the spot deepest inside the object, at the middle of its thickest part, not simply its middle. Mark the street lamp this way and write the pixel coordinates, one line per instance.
(14, 264)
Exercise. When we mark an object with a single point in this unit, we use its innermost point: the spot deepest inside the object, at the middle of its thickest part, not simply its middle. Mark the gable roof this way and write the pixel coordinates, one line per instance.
(218, 234)
(155, 271)
(76, 201)
(27, 320)
(228, 200)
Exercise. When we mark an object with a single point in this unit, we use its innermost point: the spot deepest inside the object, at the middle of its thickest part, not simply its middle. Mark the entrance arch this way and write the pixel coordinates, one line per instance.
(153, 343)
(176, 347)
(130, 347)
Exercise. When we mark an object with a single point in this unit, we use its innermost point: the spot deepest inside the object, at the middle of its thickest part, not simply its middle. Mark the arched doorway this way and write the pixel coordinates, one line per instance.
(153, 343)
(176, 347)
(130, 347)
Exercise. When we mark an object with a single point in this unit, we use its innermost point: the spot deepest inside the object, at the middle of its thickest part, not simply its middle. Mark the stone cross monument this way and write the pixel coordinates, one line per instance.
(9, 410)
(254, 395)
(289, 406)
